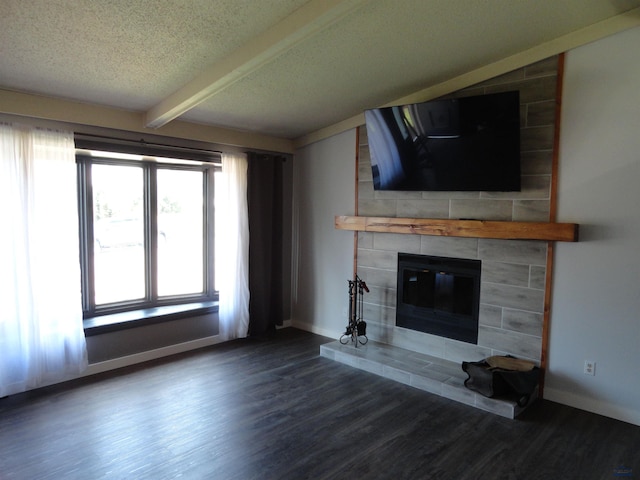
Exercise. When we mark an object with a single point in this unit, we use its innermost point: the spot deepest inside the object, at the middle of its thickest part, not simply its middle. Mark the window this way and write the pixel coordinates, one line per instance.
(146, 231)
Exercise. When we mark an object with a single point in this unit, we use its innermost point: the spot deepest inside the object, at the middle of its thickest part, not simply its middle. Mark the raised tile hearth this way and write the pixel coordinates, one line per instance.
(431, 374)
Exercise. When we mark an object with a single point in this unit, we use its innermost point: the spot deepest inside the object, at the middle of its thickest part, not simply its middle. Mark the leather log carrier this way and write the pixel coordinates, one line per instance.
(502, 376)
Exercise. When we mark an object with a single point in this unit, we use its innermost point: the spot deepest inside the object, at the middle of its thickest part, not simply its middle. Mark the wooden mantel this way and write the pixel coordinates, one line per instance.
(546, 231)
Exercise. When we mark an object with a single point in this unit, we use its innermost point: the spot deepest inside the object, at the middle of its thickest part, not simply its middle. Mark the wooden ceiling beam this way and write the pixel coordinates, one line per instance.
(305, 22)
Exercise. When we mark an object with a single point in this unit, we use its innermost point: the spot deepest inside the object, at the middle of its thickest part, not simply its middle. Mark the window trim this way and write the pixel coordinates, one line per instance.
(152, 306)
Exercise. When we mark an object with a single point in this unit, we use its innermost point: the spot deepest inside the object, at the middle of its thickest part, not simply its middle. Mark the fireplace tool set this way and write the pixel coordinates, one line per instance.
(357, 327)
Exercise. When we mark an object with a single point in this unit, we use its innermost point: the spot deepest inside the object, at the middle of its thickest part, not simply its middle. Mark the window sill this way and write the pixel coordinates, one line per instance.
(148, 316)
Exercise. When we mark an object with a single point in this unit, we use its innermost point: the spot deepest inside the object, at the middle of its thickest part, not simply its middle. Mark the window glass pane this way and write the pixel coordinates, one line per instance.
(180, 232)
(118, 230)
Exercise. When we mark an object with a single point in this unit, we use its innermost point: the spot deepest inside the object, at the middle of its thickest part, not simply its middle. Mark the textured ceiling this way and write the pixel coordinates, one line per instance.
(134, 54)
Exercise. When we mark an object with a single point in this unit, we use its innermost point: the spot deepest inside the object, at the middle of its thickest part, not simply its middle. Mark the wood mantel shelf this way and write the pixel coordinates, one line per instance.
(546, 231)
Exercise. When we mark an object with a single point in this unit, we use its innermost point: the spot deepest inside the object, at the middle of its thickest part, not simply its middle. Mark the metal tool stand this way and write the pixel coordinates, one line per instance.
(357, 327)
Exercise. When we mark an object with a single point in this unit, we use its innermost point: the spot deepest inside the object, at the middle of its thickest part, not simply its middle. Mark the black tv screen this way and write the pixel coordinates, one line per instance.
(458, 144)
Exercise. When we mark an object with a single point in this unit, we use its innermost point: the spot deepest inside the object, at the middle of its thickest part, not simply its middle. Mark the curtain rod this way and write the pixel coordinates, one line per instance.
(141, 142)
(91, 137)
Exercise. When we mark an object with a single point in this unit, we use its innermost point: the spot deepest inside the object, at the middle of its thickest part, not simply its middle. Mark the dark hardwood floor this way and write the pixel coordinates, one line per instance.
(277, 410)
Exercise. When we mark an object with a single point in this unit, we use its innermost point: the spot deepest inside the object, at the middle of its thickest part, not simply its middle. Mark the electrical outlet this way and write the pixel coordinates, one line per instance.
(589, 367)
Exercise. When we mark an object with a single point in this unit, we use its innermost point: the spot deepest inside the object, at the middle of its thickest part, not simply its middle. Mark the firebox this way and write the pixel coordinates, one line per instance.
(439, 295)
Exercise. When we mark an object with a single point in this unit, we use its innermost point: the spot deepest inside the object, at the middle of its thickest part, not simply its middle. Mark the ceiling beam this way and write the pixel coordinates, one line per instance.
(308, 20)
(564, 43)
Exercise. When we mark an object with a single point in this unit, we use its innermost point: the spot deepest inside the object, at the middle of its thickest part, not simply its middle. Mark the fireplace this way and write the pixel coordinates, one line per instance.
(439, 295)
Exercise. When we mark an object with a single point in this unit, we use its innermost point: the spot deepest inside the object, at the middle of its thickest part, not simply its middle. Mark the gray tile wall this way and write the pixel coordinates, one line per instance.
(513, 272)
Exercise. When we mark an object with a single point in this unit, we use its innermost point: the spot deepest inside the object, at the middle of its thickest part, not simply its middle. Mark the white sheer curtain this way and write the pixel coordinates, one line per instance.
(232, 247)
(41, 336)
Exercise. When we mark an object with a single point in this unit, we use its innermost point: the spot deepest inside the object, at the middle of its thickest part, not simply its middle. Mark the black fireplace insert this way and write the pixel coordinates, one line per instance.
(439, 295)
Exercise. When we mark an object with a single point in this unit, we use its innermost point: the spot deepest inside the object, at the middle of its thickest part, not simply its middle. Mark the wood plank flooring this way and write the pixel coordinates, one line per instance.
(277, 410)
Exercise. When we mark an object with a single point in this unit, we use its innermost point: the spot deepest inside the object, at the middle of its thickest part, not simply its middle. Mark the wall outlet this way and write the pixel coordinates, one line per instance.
(589, 367)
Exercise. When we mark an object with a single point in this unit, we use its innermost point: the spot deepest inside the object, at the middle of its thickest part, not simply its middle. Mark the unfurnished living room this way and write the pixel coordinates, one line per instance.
(319, 239)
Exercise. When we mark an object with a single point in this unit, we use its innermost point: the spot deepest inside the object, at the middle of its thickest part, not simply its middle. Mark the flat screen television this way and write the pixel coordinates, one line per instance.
(457, 144)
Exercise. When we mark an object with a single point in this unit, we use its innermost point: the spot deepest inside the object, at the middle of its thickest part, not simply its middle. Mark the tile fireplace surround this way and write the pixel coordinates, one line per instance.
(513, 276)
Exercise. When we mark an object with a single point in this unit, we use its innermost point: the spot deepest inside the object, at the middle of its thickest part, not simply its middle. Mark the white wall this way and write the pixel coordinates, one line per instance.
(596, 295)
(324, 179)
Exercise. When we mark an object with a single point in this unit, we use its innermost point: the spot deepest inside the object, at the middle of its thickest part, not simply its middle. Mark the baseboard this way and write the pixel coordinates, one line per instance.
(129, 360)
(314, 329)
(594, 406)
(285, 324)
(120, 362)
